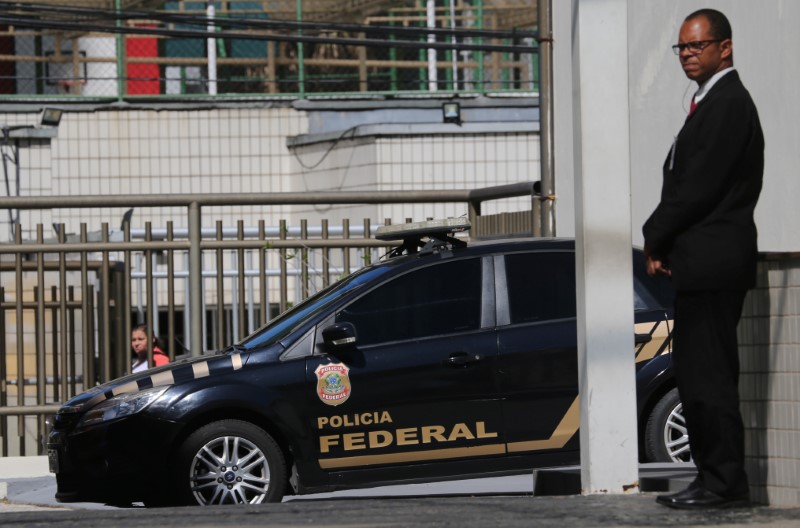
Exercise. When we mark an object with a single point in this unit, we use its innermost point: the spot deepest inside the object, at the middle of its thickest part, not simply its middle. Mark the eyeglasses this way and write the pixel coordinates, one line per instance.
(695, 47)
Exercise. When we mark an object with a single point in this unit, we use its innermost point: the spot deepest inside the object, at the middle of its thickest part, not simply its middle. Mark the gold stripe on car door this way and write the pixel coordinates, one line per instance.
(659, 333)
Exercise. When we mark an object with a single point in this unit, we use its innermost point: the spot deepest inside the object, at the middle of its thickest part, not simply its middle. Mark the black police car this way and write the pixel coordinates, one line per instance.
(444, 360)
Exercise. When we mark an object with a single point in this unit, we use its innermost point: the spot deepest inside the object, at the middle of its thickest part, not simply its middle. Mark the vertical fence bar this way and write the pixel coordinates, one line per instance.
(232, 321)
(54, 342)
(20, 340)
(241, 268)
(304, 278)
(251, 294)
(326, 257)
(284, 282)
(148, 288)
(262, 273)
(41, 352)
(220, 292)
(86, 316)
(3, 373)
(172, 342)
(62, 311)
(104, 310)
(195, 279)
(546, 125)
(90, 331)
(71, 340)
(367, 251)
(346, 251)
(126, 279)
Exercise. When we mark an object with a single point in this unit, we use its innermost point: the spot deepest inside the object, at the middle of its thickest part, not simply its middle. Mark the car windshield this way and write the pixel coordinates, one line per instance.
(643, 300)
(288, 321)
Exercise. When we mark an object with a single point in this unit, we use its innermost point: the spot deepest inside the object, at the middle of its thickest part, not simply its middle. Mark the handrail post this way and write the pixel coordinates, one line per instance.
(195, 280)
(546, 148)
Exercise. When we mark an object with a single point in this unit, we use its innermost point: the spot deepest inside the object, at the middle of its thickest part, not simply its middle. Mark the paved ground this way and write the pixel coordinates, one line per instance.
(499, 502)
(497, 511)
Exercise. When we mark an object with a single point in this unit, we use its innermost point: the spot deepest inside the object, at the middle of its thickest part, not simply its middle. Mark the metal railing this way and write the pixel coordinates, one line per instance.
(67, 305)
(281, 48)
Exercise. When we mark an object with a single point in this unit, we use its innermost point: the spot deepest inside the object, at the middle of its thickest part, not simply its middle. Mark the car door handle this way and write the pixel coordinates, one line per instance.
(461, 359)
(641, 339)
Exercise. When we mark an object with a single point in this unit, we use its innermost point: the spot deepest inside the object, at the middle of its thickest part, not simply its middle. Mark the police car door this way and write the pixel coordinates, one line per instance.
(538, 371)
(417, 387)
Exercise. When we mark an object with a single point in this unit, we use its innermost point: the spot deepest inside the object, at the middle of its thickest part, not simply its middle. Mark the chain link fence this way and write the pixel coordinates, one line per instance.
(296, 48)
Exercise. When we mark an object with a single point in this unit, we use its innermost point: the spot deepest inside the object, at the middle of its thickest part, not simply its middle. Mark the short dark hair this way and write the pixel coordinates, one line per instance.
(719, 25)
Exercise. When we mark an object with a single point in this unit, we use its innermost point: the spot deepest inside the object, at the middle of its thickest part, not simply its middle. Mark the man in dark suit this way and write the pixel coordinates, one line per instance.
(703, 236)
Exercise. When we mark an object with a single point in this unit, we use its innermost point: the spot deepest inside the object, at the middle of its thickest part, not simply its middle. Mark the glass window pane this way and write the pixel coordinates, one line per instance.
(541, 286)
(435, 300)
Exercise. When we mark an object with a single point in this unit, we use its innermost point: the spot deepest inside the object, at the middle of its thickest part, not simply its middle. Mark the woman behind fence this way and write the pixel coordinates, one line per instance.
(139, 345)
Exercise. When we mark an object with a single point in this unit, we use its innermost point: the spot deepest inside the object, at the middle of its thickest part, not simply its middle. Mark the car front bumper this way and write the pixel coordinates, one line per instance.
(117, 461)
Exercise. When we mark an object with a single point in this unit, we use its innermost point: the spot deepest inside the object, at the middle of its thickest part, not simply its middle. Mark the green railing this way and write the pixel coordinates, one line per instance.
(278, 48)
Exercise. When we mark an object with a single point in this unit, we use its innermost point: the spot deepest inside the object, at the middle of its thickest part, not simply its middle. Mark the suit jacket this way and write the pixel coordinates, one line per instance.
(703, 227)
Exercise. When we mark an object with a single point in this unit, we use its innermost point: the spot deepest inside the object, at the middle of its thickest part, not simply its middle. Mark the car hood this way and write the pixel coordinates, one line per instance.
(181, 371)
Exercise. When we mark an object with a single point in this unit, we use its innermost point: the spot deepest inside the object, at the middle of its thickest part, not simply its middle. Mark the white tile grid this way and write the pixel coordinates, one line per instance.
(455, 162)
(771, 394)
(136, 152)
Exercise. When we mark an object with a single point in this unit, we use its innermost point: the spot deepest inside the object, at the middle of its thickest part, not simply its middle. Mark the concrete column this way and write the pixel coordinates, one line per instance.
(609, 455)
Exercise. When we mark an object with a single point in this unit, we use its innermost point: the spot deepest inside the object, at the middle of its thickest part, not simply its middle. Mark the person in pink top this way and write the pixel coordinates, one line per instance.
(139, 346)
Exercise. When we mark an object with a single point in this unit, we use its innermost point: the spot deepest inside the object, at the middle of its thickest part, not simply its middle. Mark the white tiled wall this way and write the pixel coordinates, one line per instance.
(769, 338)
(158, 152)
(413, 163)
(141, 151)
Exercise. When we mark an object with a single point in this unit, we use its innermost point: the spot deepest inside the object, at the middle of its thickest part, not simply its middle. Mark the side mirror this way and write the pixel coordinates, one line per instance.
(339, 336)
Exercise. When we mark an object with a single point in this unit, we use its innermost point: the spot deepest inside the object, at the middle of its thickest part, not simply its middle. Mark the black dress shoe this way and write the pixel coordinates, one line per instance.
(699, 498)
(690, 489)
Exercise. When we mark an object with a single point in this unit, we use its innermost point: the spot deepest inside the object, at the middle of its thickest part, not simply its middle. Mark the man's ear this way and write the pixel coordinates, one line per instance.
(726, 49)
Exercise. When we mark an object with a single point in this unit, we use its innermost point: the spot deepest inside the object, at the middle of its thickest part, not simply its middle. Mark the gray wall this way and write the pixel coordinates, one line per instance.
(765, 42)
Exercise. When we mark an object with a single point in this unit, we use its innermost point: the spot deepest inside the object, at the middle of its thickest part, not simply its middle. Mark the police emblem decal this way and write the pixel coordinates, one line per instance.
(333, 383)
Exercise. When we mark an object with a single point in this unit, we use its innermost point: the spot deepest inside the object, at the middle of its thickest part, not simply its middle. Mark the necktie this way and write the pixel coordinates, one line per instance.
(692, 107)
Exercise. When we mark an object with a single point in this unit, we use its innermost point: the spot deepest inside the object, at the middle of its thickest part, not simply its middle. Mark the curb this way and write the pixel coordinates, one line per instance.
(21, 467)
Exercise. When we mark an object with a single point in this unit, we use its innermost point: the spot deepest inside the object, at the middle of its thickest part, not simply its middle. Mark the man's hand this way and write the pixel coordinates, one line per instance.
(655, 267)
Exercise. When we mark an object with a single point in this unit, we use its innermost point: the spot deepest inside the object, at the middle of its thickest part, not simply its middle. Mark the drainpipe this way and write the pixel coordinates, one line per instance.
(211, 45)
(433, 83)
(547, 178)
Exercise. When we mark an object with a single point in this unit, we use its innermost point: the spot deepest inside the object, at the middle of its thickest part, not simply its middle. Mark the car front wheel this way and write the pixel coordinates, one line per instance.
(230, 462)
(666, 436)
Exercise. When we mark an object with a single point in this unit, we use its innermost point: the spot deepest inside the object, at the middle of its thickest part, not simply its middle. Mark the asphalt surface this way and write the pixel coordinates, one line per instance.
(498, 502)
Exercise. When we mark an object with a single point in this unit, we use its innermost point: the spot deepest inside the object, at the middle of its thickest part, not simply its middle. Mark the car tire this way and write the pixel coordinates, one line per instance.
(230, 462)
(666, 437)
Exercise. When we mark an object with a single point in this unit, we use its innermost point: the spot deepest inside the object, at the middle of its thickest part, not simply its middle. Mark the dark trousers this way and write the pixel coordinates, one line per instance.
(706, 361)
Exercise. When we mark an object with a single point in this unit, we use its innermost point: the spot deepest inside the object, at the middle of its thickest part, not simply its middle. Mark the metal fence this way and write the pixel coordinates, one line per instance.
(67, 305)
(110, 49)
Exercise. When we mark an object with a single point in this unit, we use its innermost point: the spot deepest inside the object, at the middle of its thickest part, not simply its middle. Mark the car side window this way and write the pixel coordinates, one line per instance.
(438, 299)
(541, 286)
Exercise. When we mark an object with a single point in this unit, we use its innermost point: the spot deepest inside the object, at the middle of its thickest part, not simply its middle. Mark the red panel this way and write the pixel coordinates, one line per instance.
(7, 70)
(143, 78)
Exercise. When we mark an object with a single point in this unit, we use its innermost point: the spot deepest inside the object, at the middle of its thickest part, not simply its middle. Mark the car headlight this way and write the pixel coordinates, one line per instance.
(120, 406)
